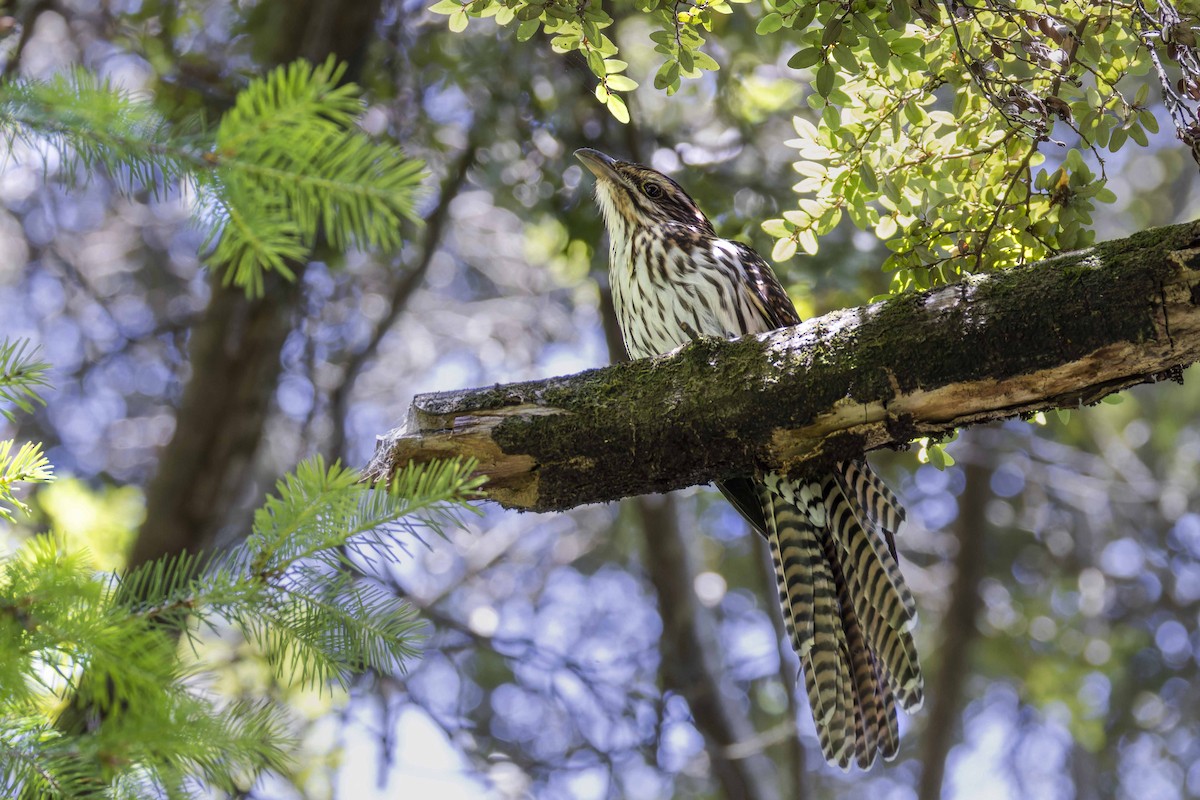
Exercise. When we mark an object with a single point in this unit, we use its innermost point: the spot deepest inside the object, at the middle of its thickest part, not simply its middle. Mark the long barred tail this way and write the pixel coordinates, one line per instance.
(846, 607)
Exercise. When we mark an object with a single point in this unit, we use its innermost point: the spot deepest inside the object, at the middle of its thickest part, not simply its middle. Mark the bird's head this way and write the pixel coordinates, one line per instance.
(632, 196)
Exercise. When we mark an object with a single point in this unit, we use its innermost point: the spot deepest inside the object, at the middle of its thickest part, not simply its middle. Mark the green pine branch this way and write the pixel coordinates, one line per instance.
(22, 375)
(285, 166)
(287, 589)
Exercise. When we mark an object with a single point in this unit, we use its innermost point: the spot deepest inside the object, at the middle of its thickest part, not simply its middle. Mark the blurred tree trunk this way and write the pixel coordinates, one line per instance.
(691, 655)
(234, 355)
(941, 728)
(1086, 774)
(788, 749)
(207, 466)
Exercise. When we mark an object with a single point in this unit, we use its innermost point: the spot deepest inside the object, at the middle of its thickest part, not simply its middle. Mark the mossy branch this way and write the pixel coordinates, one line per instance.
(1058, 334)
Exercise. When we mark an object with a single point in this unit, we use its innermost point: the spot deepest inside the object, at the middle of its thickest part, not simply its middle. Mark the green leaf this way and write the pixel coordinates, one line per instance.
(620, 83)
(783, 250)
(805, 58)
(824, 80)
(687, 61)
(664, 38)
(868, 177)
(616, 107)
(808, 241)
(1117, 140)
(527, 29)
(705, 62)
(803, 17)
(940, 458)
(591, 32)
(526, 12)
(843, 56)
(769, 24)
(775, 227)
(880, 52)
(667, 75)
(886, 227)
(595, 63)
(906, 44)
(832, 33)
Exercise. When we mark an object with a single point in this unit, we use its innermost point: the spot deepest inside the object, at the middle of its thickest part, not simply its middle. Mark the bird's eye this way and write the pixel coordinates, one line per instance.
(652, 190)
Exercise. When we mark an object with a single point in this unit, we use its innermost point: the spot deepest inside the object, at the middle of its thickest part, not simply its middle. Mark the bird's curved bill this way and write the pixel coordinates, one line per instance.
(601, 165)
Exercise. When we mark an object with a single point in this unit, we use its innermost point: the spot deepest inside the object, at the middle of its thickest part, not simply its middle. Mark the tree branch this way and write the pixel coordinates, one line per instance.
(1059, 333)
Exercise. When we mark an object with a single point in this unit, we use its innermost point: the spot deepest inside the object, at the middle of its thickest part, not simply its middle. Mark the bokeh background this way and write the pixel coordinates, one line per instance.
(623, 650)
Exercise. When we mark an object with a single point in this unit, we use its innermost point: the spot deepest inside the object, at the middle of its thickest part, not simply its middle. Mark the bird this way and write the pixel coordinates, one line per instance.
(847, 611)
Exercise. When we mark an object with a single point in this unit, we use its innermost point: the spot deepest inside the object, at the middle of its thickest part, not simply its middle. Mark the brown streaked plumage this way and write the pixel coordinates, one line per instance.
(846, 608)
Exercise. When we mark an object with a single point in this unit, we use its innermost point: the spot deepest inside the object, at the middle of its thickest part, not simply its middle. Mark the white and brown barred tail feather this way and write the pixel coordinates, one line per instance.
(846, 609)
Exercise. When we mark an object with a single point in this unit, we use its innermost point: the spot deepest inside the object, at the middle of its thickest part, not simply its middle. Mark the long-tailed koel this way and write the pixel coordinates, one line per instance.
(845, 605)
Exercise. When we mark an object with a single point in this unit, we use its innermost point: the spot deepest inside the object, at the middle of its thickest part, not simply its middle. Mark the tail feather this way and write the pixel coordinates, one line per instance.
(886, 723)
(792, 557)
(862, 732)
(846, 608)
(873, 495)
(830, 671)
(879, 570)
(883, 610)
(865, 697)
(807, 596)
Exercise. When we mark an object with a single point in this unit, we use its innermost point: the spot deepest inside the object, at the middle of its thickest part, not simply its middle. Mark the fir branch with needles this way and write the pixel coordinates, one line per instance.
(22, 376)
(287, 588)
(285, 166)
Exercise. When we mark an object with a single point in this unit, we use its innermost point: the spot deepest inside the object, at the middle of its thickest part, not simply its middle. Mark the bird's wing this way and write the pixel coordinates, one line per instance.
(772, 301)
(766, 292)
(742, 494)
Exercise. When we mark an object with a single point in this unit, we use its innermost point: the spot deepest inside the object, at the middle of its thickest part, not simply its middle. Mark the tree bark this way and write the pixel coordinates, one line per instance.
(1059, 333)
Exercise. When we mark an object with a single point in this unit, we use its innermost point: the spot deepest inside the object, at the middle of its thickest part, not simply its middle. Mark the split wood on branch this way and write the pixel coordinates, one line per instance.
(1057, 334)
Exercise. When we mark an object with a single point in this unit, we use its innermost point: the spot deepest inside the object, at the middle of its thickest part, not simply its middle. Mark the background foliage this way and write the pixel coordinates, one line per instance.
(99, 699)
(1057, 566)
